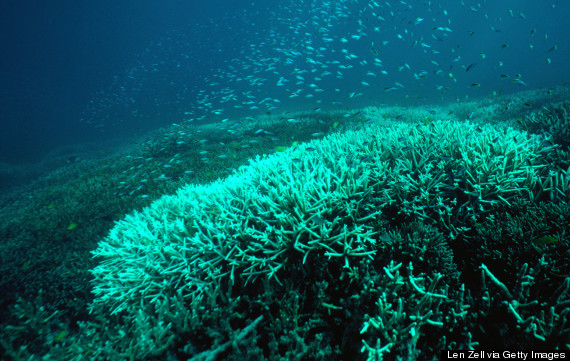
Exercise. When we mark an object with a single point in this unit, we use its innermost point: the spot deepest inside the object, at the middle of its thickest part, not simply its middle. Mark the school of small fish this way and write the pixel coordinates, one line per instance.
(335, 54)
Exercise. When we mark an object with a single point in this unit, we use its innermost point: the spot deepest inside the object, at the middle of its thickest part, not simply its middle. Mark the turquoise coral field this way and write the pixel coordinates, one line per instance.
(377, 233)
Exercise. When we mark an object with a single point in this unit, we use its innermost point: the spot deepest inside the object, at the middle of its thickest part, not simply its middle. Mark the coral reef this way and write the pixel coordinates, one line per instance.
(345, 223)
(552, 121)
(410, 232)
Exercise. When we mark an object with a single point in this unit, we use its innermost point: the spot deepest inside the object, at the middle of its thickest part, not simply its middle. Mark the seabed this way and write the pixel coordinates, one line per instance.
(365, 234)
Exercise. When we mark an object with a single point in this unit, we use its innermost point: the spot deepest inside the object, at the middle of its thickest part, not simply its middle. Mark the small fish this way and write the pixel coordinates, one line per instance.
(60, 336)
(72, 226)
(318, 220)
(542, 241)
(474, 85)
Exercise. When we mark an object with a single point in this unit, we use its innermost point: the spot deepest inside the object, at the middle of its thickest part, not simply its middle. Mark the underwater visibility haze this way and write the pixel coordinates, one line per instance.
(283, 180)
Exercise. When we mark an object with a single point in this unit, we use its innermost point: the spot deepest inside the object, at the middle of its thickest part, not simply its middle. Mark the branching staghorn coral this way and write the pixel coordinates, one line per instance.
(319, 210)
(546, 323)
(410, 307)
(552, 121)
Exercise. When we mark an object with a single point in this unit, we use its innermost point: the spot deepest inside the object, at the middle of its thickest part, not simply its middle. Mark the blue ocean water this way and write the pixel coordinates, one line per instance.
(485, 207)
(75, 72)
